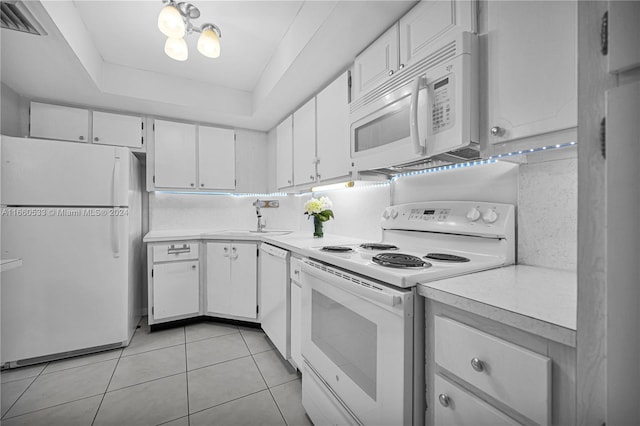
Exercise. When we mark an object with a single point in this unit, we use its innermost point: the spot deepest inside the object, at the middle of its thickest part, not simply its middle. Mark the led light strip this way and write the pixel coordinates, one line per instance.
(490, 160)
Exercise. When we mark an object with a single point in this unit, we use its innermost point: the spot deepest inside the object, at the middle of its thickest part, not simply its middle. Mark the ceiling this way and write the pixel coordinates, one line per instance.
(109, 55)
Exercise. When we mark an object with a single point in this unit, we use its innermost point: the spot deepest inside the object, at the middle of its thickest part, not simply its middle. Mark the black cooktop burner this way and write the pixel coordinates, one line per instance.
(337, 249)
(444, 257)
(378, 246)
(399, 260)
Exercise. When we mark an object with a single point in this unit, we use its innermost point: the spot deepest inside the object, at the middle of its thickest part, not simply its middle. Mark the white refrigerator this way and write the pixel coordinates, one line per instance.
(72, 213)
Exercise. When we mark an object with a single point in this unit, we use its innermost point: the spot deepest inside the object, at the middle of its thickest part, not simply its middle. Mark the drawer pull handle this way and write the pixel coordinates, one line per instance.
(477, 365)
(444, 400)
(178, 250)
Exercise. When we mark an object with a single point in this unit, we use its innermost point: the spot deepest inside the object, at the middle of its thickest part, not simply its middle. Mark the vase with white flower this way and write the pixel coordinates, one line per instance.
(321, 211)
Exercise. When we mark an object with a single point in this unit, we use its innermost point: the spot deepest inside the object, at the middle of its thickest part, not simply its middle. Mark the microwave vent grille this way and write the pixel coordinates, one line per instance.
(470, 153)
(444, 54)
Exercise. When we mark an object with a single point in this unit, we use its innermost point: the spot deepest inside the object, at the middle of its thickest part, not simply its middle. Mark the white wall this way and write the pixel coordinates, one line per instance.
(14, 112)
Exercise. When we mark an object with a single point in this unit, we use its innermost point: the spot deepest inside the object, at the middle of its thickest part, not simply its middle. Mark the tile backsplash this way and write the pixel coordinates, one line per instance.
(547, 214)
(545, 192)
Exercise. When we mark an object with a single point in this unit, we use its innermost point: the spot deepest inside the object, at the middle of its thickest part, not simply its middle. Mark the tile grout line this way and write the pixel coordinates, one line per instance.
(4, 416)
(95, 416)
(265, 381)
(186, 375)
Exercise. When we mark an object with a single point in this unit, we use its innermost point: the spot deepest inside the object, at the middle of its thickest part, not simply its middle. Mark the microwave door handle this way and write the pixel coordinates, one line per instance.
(413, 113)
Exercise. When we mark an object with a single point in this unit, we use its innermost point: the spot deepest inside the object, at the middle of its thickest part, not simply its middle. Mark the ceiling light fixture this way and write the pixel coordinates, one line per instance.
(174, 21)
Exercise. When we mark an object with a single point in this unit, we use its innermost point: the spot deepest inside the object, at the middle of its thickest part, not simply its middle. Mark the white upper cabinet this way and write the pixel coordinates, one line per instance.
(532, 68)
(427, 21)
(284, 153)
(216, 158)
(59, 122)
(304, 139)
(117, 129)
(624, 35)
(174, 155)
(332, 120)
(406, 42)
(187, 156)
(377, 63)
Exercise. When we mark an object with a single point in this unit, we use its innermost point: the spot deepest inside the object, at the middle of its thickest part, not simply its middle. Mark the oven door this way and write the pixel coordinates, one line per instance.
(357, 336)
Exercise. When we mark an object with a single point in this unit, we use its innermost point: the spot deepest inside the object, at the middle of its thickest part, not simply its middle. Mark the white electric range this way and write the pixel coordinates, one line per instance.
(363, 323)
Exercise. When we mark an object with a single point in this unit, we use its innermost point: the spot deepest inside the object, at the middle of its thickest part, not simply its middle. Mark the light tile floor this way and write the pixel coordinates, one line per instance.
(199, 374)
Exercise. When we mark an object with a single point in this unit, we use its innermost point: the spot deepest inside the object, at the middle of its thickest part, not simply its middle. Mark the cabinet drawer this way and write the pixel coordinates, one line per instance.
(456, 407)
(295, 266)
(511, 374)
(175, 251)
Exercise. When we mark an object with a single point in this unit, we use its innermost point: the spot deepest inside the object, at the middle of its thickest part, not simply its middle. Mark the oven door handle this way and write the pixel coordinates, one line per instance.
(352, 284)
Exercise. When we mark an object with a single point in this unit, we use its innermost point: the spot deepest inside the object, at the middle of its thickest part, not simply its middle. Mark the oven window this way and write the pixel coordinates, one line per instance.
(348, 339)
(383, 130)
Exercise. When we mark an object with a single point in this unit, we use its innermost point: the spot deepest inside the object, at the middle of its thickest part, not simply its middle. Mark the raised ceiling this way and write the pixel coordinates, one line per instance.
(109, 55)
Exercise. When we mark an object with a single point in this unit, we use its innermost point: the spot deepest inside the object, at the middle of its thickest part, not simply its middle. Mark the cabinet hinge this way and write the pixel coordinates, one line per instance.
(153, 126)
(154, 179)
(604, 34)
(349, 83)
(142, 125)
(152, 310)
(151, 273)
(142, 140)
(603, 137)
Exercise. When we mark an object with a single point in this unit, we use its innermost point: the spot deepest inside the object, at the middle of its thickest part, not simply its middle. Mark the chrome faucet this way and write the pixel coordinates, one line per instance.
(263, 204)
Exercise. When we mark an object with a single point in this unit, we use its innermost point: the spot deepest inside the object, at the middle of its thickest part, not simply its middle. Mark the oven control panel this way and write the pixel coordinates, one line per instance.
(457, 217)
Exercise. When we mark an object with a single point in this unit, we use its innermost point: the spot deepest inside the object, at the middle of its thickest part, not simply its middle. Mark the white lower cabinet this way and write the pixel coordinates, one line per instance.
(456, 406)
(174, 282)
(296, 315)
(232, 280)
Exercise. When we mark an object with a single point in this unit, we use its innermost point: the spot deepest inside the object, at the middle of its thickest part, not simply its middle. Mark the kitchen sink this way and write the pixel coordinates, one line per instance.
(248, 232)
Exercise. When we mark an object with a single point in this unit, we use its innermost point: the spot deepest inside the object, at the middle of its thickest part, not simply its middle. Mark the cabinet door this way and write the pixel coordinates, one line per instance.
(244, 279)
(457, 407)
(304, 139)
(296, 324)
(284, 153)
(176, 289)
(427, 21)
(175, 155)
(624, 33)
(332, 117)
(377, 63)
(58, 122)
(216, 158)
(532, 68)
(232, 279)
(117, 129)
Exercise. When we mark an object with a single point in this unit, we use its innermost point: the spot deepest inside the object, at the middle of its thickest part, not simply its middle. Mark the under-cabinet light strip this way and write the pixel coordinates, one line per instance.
(528, 151)
(490, 160)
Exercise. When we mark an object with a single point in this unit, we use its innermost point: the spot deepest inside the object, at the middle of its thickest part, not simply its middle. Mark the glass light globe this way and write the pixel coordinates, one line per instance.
(170, 22)
(176, 48)
(209, 43)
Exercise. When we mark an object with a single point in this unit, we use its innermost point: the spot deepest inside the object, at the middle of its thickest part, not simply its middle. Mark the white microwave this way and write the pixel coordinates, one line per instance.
(429, 111)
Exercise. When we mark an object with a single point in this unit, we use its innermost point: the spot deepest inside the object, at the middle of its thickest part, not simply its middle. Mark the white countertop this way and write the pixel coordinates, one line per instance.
(295, 241)
(539, 300)
(7, 264)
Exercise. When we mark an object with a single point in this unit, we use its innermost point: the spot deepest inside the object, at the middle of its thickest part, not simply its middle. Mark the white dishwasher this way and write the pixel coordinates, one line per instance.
(275, 294)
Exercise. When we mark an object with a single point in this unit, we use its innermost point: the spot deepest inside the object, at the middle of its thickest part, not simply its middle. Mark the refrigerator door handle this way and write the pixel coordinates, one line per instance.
(115, 228)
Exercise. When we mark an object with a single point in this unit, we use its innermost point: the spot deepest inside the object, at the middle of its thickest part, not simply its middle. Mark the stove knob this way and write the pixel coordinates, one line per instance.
(394, 213)
(473, 214)
(490, 216)
(385, 214)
